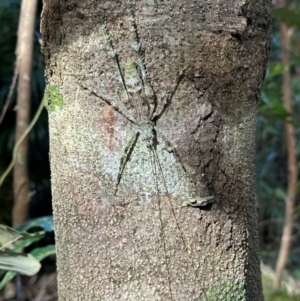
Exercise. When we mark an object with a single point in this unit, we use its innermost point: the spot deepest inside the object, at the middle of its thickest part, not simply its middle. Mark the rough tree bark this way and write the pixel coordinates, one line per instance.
(121, 173)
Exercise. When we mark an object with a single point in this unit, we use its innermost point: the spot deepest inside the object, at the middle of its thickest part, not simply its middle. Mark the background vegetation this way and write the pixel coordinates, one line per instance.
(271, 158)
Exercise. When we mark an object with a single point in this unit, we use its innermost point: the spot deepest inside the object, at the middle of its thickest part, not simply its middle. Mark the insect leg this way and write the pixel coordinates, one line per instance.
(125, 157)
(154, 170)
(168, 197)
(187, 249)
(130, 98)
(171, 92)
(108, 102)
(148, 90)
(171, 149)
(113, 54)
(194, 191)
(111, 51)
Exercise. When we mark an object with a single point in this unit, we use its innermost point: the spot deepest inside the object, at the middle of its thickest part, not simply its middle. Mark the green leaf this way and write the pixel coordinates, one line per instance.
(277, 68)
(43, 252)
(19, 262)
(297, 273)
(280, 194)
(38, 253)
(45, 223)
(265, 188)
(8, 236)
(7, 277)
(274, 110)
(28, 239)
(289, 16)
(264, 97)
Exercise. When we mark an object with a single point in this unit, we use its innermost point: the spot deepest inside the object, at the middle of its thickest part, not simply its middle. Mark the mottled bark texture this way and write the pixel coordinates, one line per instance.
(125, 235)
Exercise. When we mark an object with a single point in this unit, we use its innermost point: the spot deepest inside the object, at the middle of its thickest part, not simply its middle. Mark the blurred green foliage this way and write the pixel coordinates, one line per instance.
(39, 170)
(288, 15)
(283, 295)
(21, 240)
(271, 158)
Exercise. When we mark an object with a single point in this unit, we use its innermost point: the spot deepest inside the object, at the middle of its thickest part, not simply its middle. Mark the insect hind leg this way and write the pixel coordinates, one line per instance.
(125, 158)
(162, 227)
(168, 97)
(156, 159)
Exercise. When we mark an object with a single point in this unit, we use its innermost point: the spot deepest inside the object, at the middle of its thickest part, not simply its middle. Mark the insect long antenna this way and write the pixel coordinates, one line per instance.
(113, 54)
(156, 160)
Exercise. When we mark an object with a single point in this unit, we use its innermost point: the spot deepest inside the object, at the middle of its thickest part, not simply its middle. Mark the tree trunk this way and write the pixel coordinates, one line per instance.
(22, 194)
(152, 151)
(292, 168)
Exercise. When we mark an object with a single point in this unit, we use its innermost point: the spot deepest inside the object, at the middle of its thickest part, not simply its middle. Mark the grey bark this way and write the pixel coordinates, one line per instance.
(140, 243)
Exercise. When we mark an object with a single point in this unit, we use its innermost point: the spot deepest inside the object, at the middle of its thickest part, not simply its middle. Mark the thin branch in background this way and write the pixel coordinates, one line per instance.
(11, 90)
(17, 144)
(291, 158)
(16, 69)
(278, 221)
(22, 194)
